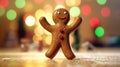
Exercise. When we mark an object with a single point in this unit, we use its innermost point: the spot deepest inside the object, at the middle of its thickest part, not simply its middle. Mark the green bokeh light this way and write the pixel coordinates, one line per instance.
(2, 11)
(20, 3)
(101, 2)
(11, 14)
(99, 31)
(75, 11)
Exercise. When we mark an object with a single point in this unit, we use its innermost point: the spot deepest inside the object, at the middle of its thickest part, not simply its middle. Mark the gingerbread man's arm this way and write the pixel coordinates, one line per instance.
(75, 24)
(45, 24)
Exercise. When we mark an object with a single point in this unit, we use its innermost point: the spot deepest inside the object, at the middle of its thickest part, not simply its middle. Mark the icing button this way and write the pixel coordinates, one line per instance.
(61, 30)
(60, 36)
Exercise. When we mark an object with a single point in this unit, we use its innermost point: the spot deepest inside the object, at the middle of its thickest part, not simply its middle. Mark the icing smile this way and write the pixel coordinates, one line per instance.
(62, 18)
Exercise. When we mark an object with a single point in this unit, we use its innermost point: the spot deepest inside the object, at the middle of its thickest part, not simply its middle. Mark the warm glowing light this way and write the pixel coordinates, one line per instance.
(74, 11)
(39, 13)
(30, 20)
(59, 1)
(99, 31)
(37, 38)
(4, 3)
(49, 18)
(20, 3)
(59, 6)
(38, 31)
(105, 12)
(71, 20)
(38, 1)
(70, 2)
(29, 7)
(101, 2)
(2, 11)
(94, 22)
(86, 9)
(77, 2)
(48, 40)
(25, 16)
(73, 2)
(48, 8)
(28, 63)
(11, 14)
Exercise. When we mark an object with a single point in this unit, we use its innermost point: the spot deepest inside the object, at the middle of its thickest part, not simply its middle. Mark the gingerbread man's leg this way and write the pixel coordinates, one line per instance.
(55, 46)
(67, 50)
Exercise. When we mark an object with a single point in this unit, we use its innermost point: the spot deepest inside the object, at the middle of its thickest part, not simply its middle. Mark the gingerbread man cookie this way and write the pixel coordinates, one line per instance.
(60, 32)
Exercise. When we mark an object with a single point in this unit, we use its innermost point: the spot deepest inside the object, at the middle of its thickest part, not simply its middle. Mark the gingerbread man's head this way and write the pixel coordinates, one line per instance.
(61, 16)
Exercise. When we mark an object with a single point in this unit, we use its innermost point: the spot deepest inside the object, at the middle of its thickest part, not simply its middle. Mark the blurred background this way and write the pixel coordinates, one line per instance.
(19, 22)
(23, 41)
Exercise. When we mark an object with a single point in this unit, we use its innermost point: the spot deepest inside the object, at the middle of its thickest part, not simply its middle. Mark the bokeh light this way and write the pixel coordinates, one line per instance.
(25, 16)
(39, 13)
(59, 6)
(11, 14)
(36, 38)
(2, 11)
(75, 11)
(4, 3)
(73, 2)
(38, 1)
(48, 16)
(48, 8)
(86, 9)
(38, 31)
(48, 40)
(20, 3)
(105, 12)
(71, 20)
(59, 1)
(28, 7)
(99, 31)
(30, 20)
(77, 2)
(101, 2)
(94, 22)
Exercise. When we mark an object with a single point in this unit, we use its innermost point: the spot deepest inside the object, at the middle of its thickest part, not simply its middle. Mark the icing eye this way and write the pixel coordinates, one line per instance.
(58, 12)
(65, 12)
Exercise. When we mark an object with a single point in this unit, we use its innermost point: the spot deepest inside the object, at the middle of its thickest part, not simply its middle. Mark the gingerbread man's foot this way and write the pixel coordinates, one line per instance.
(52, 51)
(67, 50)
(70, 57)
(49, 55)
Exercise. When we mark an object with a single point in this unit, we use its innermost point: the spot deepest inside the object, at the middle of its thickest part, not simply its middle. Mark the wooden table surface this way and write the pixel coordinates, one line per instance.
(100, 57)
